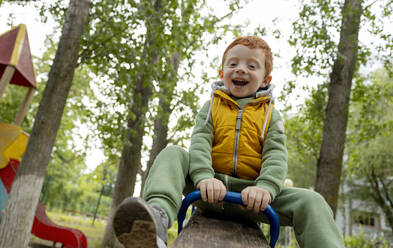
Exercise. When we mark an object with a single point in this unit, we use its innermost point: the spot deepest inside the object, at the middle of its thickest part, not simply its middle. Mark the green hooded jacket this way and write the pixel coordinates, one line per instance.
(274, 153)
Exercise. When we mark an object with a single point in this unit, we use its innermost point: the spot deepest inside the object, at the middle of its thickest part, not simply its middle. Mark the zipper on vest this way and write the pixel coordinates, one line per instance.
(236, 147)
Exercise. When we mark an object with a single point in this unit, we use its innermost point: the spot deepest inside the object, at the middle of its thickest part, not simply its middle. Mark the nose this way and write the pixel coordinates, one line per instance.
(240, 69)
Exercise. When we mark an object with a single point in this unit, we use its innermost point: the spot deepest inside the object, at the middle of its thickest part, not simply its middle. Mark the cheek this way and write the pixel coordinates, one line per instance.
(227, 75)
(257, 77)
(226, 80)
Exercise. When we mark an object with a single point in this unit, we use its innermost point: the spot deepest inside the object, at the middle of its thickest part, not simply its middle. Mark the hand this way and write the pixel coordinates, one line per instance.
(212, 190)
(255, 198)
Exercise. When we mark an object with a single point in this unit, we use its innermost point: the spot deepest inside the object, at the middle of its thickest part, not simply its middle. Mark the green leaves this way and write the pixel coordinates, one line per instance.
(315, 37)
(304, 132)
(373, 101)
(370, 146)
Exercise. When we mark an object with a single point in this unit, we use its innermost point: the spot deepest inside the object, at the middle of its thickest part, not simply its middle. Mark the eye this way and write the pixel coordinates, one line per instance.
(252, 66)
(233, 64)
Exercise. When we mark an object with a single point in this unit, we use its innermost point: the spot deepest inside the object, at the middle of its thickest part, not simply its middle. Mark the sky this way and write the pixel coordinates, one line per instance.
(36, 30)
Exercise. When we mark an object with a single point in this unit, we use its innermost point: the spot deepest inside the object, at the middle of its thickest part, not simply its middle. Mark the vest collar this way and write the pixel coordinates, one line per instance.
(262, 92)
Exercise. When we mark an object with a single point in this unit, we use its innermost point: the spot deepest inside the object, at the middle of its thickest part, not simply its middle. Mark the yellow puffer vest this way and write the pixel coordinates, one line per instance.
(238, 139)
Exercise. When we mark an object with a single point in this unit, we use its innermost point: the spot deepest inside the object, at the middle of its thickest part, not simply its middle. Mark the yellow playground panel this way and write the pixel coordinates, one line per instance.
(16, 67)
(13, 142)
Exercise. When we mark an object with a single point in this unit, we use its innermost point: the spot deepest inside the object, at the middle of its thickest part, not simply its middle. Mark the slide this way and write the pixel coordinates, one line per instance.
(43, 227)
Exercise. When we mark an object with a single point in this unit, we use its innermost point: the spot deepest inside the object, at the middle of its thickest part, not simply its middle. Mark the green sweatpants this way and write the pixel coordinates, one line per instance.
(305, 210)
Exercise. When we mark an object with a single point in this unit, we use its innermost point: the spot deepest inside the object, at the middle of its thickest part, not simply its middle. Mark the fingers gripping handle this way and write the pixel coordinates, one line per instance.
(231, 197)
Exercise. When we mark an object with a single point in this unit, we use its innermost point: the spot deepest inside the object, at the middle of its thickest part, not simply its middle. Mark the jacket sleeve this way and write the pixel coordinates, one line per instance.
(201, 147)
(274, 157)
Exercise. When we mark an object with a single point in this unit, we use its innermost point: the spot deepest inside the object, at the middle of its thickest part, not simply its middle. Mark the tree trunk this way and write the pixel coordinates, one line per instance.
(160, 136)
(380, 194)
(19, 213)
(329, 164)
(204, 231)
(131, 154)
(167, 87)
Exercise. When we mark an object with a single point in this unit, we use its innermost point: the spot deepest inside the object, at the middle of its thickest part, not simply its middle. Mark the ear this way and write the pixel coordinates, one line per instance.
(220, 73)
(268, 79)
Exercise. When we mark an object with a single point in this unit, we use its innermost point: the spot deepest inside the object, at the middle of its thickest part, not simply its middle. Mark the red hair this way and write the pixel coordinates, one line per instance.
(253, 42)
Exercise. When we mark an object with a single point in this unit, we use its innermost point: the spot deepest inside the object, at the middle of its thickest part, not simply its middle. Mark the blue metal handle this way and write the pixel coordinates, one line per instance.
(231, 197)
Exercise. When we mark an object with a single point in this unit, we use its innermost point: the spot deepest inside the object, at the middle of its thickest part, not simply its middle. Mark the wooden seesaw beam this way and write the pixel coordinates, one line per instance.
(205, 230)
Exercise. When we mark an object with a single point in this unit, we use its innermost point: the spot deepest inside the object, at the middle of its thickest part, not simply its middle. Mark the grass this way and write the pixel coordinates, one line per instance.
(94, 233)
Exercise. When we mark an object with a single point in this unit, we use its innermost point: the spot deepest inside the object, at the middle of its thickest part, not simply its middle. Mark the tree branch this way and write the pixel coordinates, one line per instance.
(371, 4)
(386, 191)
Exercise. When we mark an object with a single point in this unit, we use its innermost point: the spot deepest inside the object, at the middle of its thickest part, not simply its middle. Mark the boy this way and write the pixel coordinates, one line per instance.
(238, 144)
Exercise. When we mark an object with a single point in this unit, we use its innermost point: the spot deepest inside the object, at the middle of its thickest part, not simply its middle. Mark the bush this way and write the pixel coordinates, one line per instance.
(363, 242)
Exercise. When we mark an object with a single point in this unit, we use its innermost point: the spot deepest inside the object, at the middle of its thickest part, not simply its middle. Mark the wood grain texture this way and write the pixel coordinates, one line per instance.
(204, 230)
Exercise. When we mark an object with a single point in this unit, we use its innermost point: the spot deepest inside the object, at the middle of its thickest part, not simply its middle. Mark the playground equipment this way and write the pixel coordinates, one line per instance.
(16, 67)
(231, 197)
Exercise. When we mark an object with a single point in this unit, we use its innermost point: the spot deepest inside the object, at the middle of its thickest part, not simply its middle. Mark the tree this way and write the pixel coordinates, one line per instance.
(20, 209)
(304, 138)
(370, 147)
(161, 120)
(371, 174)
(172, 98)
(67, 163)
(329, 165)
(65, 186)
(142, 91)
(169, 37)
(315, 34)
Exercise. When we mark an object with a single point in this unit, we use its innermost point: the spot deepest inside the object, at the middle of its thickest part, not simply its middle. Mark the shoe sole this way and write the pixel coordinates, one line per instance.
(134, 225)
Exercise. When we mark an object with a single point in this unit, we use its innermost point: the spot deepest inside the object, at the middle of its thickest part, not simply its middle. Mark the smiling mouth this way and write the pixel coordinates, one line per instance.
(239, 82)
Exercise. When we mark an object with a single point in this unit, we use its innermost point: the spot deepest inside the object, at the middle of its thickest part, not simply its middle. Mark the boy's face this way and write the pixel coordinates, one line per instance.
(244, 70)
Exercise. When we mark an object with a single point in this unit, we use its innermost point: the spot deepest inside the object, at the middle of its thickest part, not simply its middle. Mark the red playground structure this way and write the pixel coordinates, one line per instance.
(43, 227)
(16, 67)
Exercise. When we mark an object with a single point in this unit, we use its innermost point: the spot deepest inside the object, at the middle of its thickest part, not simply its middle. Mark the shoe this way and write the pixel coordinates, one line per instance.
(139, 225)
